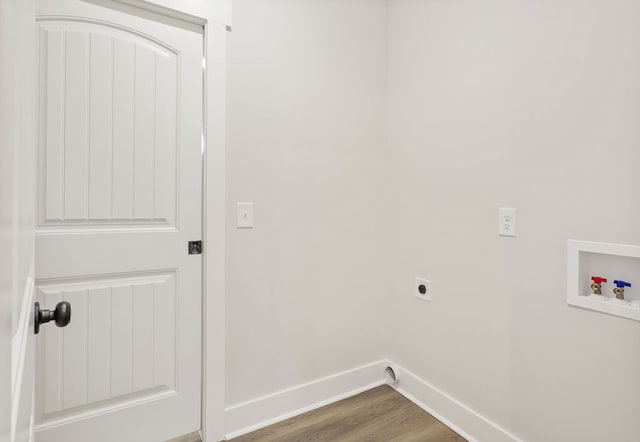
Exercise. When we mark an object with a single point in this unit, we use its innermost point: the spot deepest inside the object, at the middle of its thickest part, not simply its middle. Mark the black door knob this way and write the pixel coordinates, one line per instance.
(61, 315)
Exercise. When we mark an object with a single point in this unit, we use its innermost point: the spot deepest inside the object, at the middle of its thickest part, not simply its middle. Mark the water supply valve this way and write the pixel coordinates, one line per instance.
(619, 290)
(597, 284)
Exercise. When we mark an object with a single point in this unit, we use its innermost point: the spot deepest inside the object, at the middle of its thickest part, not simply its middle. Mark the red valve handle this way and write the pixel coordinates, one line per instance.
(598, 280)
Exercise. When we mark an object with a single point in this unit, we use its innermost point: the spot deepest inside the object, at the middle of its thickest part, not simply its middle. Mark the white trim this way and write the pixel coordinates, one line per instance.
(19, 340)
(214, 325)
(267, 410)
(459, 417)
(218, 11)
(19, 345)
(151, 6)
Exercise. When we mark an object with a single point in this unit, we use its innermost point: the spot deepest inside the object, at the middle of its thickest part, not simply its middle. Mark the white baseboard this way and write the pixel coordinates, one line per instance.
(267, 410)
(460, 418)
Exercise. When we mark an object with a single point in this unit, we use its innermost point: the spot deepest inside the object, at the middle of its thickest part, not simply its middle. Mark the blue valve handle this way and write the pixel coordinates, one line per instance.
(621, 284)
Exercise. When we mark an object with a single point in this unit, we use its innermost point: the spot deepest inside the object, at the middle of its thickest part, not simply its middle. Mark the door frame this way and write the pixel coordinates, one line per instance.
(214, 18)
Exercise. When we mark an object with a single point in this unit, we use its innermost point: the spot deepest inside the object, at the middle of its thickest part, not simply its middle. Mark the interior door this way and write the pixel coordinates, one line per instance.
(120, 198)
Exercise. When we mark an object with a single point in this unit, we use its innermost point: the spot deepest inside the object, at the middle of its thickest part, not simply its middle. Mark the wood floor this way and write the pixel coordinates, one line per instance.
(193, 437)
(381, 414)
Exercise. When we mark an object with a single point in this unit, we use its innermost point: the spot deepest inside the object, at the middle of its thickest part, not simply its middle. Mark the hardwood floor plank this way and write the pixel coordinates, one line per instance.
(380, 414)
(192, 437)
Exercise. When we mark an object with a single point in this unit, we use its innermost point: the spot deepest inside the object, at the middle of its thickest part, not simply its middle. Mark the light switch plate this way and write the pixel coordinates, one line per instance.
(245, 216)
(507, 221)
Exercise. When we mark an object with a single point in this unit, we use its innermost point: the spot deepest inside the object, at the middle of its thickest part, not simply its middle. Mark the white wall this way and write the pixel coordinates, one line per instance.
(305, 143)
(533, 105)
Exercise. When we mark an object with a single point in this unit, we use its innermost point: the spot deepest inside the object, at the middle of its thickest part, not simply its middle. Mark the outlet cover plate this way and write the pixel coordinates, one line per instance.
(426, 296)
(507, 221)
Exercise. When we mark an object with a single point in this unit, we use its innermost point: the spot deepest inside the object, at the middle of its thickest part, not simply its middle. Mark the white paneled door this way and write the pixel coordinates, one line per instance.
(119, 199)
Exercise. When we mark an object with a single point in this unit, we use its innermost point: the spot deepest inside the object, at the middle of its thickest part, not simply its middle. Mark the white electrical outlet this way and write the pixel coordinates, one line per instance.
(507, 221)
(422, 289)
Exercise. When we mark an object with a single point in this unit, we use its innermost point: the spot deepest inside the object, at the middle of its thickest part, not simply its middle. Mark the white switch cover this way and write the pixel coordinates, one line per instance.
(507, 221)
(245, 215)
